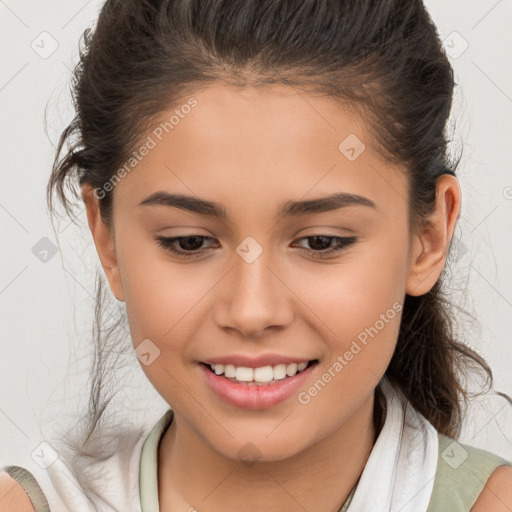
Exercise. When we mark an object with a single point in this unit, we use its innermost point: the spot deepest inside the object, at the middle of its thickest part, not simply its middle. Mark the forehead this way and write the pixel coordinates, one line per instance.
(274, 143)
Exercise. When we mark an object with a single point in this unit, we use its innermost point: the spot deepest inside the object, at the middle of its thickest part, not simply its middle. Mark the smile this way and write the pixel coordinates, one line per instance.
(256, 388)
(260, 375)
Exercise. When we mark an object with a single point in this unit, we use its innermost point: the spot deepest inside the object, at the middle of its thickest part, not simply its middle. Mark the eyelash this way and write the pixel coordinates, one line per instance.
(343, 244)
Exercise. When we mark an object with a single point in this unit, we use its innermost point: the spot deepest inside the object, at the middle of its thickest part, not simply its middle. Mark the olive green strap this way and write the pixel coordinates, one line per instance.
(462, 472)
(345, 506)
(25, 478)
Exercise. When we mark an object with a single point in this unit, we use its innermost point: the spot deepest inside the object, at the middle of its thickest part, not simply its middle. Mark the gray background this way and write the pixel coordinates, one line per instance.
(46, 306)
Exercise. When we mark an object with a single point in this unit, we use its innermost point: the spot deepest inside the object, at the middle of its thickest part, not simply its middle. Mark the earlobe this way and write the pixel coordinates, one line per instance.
(103, 237)
(430, 246)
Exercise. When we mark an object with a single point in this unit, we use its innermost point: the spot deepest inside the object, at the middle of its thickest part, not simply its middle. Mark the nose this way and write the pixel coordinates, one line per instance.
(253, 298)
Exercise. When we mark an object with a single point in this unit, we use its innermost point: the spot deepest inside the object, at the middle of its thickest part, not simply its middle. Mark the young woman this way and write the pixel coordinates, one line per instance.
(268, 187)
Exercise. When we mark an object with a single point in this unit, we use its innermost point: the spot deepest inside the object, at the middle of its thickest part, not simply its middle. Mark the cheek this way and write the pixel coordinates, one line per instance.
(358, 309)
(162, 297)
(357, 305)
(163, 305)
(352, 295)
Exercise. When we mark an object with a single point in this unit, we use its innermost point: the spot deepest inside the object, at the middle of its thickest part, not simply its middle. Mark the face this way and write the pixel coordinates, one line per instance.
(259, 288)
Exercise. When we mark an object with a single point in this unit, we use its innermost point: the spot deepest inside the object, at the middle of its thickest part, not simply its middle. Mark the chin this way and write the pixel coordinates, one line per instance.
(255, 450)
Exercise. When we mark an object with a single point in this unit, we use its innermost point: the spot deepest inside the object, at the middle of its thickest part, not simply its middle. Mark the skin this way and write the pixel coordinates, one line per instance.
(253, 150)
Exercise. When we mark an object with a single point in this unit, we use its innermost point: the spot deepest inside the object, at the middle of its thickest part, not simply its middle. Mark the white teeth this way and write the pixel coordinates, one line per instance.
(262, 374)
(229, 370)
(279, 371)
(291, 369)
(243, 374)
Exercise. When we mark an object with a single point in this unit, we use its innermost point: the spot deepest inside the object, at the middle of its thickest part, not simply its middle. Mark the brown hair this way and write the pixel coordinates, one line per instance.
(383, 58)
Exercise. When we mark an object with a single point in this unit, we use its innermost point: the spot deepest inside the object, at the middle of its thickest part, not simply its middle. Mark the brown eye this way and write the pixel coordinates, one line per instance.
(322, 245)
(188, 246)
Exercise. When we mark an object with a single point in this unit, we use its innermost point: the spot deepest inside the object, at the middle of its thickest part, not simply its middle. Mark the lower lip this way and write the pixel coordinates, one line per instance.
(255, 396)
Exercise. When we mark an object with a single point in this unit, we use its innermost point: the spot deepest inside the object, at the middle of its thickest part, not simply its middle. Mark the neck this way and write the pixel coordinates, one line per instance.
(193, 475)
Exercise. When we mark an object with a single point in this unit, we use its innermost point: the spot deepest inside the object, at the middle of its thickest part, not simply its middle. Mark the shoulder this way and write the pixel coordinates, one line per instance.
(497, 492)
(13, 495)
(469, 478)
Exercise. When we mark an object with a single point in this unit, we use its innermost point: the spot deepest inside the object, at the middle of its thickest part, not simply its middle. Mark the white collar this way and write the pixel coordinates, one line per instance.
(399, 474)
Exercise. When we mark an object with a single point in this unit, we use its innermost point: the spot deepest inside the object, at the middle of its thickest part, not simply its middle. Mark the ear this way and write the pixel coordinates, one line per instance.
(103, 236)
(430, 246)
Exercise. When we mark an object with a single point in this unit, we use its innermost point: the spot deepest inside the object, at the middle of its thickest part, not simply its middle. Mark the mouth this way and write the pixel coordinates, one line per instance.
(262, 375)
(256, 388)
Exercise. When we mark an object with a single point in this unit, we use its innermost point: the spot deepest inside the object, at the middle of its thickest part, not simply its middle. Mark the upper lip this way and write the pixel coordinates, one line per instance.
(256, 361)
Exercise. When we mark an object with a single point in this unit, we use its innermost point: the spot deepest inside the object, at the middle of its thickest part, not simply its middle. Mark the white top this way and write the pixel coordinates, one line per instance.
(116, 487)
(400, 472)
(398, 476)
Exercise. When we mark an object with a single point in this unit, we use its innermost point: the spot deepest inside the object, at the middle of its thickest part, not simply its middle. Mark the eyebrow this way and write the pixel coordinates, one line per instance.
(288, 209)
